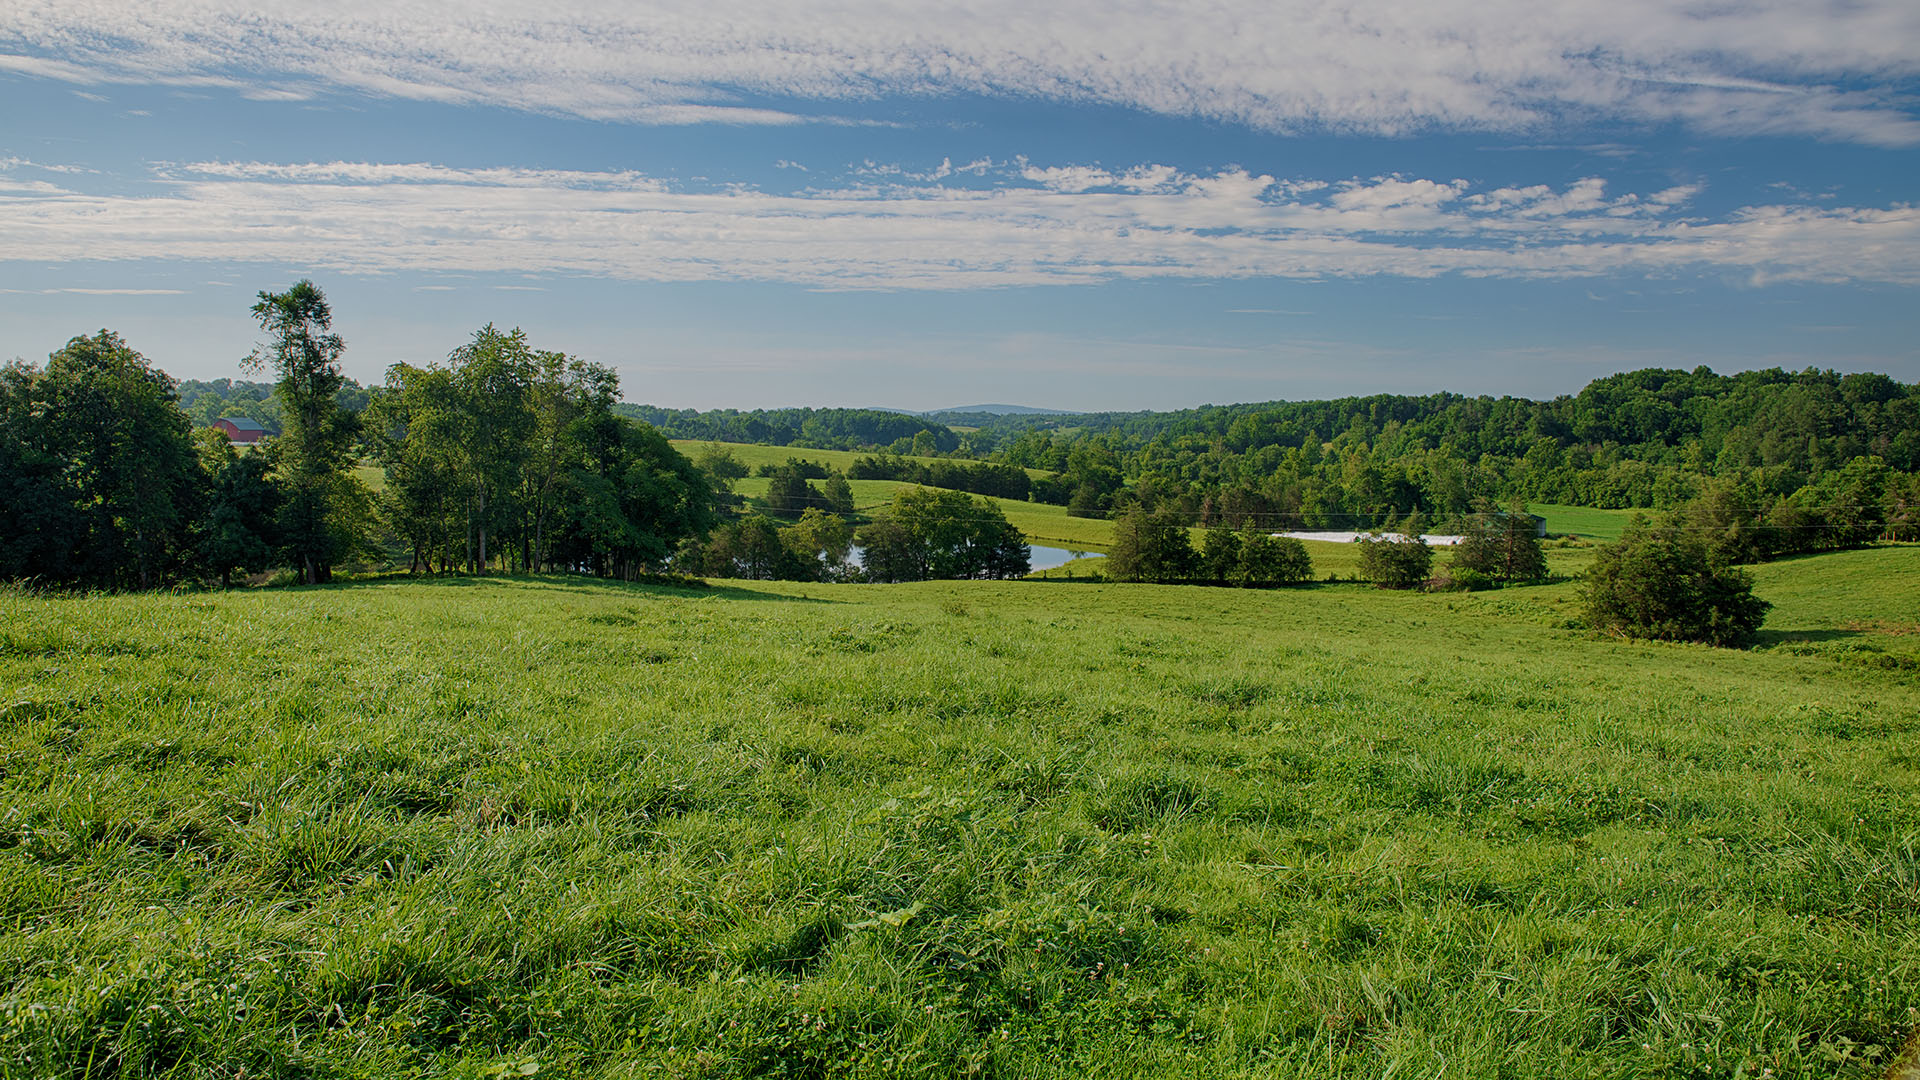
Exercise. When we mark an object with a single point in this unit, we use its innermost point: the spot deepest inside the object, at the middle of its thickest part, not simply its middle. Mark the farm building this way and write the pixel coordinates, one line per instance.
(239, 429)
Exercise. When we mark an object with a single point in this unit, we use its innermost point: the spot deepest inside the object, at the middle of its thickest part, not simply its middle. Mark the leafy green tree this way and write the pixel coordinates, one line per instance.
(1151, 546)
(106, 484)
(1266, 559)
(492, 379)
(928, 533)
(1521, 556)
(754, 548)
(823, 541)
(322, 513)
(413, 429)
(1222, 554)
(1667, 582)
(40, 514)
(560, 397)
(1395, 561)
(838, 493)
(890, 551)
(789, 493)
(721, 465)
(238, 532)
(1901, 507)
(661, 498)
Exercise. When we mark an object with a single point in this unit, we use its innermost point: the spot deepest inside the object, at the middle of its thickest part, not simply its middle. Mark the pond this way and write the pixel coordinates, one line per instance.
(1046, 558)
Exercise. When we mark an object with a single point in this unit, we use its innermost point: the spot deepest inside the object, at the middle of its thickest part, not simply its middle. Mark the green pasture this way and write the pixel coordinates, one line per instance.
(1586, 521)
(1040, 523)
(560, 827)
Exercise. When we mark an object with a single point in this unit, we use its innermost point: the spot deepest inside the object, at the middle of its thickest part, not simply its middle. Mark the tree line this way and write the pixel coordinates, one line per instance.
(819, 429)
(504, 457)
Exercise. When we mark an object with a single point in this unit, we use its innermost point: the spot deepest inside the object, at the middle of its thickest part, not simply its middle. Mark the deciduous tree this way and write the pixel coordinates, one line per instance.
(321, 516)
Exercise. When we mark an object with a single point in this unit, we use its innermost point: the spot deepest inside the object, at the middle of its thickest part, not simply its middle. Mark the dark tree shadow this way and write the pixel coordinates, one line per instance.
(564, 583)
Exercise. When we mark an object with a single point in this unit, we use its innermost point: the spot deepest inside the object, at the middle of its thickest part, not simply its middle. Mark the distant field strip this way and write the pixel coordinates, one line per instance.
(1587, 521)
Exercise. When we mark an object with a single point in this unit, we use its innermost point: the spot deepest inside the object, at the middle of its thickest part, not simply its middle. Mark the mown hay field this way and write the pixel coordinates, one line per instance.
(563, 828)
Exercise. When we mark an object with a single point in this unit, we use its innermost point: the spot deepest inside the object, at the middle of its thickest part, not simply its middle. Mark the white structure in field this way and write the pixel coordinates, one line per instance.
(1432, 539)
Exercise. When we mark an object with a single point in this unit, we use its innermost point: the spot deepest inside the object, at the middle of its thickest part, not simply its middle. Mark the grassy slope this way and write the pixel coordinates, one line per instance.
(1587, 521)
(1044, 829)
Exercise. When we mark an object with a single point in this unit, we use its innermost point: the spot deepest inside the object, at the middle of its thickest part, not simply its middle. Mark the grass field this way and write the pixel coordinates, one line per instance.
(566, 828)
(1587, 521)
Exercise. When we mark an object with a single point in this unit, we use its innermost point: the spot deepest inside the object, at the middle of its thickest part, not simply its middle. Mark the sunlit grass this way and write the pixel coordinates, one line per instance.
(1047, 829)
(1587, 521)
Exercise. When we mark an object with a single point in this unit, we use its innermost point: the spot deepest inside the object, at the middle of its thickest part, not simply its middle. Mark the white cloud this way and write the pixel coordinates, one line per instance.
(1027, 226)
(97, 292)
(1382, 66)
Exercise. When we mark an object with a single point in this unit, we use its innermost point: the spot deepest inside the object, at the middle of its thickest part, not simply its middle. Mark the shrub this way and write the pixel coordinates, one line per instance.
(1668, 583)
(1273, 560)
(1395, 562)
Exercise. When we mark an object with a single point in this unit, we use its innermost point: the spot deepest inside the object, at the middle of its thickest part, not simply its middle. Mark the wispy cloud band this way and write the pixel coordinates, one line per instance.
(1027, 226)
(1825, 68)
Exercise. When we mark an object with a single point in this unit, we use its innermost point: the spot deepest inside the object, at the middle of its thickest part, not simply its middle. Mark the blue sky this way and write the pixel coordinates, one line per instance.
(1072, 204)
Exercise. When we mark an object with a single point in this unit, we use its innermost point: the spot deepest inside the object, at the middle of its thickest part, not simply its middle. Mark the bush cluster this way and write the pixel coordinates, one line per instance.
(1666, 582)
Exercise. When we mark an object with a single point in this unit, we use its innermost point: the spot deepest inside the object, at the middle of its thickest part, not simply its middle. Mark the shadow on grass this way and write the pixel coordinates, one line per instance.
(568, 583)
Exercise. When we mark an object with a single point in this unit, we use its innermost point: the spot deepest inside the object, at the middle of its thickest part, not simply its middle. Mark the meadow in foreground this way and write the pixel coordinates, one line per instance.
(485, 828)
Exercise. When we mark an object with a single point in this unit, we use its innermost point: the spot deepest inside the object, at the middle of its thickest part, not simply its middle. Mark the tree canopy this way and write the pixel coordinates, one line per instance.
(1665, 581)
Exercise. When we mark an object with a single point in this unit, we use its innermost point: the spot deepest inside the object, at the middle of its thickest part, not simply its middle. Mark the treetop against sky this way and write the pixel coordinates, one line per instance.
(1068, 205)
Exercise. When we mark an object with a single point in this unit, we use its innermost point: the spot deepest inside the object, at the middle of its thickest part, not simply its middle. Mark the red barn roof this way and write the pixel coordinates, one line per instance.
(240, 429)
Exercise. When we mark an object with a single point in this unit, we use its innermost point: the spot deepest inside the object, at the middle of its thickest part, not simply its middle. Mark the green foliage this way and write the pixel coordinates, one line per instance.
(1151, 546)
(929, 533)
(1665, 581)
(1219, 558)
(1644, 438)
(1252, 558)
(788, 490)
(824, 540)
(838, 493)
(1395, 561)
(321, 513)
(240, 530)
(826, 429)
(978, 477)
(513, 455)
(1266, 559)
(720, 464)
(101, 482)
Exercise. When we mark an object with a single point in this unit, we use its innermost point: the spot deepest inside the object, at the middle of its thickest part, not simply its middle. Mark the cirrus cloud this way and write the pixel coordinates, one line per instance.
(1837, 69)
(1029, 226)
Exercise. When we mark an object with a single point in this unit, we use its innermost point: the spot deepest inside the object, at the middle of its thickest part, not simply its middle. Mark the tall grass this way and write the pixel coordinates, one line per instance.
(508, 827)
